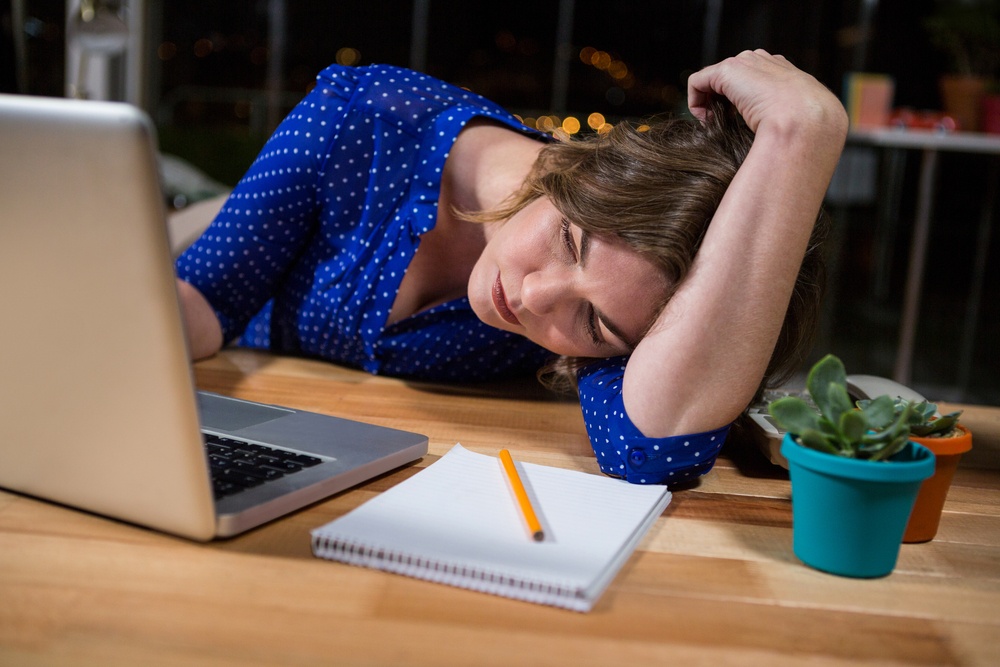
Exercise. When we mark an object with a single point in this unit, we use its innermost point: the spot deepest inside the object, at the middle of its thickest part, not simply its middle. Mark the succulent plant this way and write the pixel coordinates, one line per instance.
(923, 423)
(873, 432)
(969, 32)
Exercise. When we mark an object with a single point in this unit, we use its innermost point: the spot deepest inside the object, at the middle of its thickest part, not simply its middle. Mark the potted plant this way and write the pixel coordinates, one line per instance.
(991, 109)
(968, 31)
(855, 475)
(948, 439)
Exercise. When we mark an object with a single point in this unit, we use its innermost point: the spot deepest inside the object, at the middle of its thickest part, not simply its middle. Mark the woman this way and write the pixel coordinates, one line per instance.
(407, 227)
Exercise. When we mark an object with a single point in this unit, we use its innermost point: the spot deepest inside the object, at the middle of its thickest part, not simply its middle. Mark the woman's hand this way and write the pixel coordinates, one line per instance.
(768, 91)
(204, 333)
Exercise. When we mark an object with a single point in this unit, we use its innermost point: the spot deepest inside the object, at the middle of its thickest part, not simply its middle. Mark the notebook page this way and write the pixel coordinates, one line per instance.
(458, 514)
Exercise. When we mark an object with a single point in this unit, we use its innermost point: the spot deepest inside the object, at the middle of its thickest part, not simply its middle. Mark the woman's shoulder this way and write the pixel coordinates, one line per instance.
(390, 80)
(409, 98)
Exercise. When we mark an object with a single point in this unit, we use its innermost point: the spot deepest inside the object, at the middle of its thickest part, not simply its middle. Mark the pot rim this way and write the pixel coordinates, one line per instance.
(914, 463)
(956, 444)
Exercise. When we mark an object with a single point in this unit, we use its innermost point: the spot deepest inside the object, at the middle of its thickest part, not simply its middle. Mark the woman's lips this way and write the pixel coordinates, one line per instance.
(500, 303)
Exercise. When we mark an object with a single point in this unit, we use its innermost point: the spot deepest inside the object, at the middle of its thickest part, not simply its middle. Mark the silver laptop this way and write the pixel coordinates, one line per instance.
(98, 408)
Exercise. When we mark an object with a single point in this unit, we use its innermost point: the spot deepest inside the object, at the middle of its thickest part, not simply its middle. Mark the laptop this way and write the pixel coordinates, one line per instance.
(98, 408)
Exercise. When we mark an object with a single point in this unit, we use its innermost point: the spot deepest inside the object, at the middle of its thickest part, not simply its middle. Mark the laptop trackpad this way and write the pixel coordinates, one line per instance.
(221, 413)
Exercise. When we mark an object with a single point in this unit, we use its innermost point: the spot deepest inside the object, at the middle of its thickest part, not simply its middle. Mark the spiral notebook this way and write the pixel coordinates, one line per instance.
(456, 523)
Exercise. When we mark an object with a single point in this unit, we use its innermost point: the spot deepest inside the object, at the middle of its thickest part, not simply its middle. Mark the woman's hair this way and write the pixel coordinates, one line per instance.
(656, 187)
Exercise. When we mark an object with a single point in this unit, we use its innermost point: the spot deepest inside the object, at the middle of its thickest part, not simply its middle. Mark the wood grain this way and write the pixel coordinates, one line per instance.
(714, 582)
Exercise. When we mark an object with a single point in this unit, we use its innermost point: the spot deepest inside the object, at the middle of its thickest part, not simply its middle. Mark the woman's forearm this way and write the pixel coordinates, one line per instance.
(703, 360)
(204, 333)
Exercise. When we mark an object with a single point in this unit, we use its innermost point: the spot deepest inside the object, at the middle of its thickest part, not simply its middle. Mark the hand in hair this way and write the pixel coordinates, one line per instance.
(765, 89)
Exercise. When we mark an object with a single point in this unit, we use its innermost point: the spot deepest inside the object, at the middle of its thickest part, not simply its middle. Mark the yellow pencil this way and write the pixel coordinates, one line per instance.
(521, 496)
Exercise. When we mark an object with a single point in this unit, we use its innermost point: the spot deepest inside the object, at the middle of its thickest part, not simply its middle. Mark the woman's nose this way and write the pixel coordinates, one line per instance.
(543, 292)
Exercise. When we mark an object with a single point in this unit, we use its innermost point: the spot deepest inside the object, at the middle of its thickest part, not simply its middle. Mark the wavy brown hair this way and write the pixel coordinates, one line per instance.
(656, 187)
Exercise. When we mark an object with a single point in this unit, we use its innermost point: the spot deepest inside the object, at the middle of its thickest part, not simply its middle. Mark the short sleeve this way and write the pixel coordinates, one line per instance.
(622, 450)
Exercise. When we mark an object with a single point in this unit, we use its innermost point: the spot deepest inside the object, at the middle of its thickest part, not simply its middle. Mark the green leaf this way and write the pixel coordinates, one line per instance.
(853, 426)
(923, 412)
(902, 423)
(942, 424)
(828, 428)
(890, 448)
(879, 412)
(881, 444)
(873, 438)
(828, 370)
(818, 441)
(793, 414)
(838, 402)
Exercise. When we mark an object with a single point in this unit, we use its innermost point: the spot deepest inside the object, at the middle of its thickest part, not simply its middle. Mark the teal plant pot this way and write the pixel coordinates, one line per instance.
(849, 515)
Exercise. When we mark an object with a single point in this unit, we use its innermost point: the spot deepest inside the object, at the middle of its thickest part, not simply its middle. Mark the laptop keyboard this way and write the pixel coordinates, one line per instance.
(237, 465)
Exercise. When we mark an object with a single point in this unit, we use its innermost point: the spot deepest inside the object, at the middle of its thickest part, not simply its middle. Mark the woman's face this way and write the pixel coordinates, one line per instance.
(573, 293)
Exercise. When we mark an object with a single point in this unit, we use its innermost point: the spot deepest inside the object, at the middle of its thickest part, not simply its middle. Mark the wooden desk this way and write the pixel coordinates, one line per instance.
(715, 582)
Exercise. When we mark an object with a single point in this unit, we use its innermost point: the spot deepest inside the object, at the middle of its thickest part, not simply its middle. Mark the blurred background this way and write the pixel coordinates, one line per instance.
(218, 76)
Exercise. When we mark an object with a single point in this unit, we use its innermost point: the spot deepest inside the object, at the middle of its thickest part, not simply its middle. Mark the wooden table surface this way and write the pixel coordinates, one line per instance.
(715, 581)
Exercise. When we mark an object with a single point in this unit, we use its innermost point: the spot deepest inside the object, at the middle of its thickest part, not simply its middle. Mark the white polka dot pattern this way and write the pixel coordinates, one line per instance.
(622, 450)
(308, 253)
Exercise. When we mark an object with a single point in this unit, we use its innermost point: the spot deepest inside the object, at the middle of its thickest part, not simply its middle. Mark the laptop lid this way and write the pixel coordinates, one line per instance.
(97, 398)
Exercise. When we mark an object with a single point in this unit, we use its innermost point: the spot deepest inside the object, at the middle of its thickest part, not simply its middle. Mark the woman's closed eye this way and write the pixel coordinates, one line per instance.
(567, 239)
(592, 329)
(590, 324)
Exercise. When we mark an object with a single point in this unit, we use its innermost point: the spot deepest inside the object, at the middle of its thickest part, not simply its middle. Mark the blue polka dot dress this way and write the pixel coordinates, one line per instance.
(309, 251)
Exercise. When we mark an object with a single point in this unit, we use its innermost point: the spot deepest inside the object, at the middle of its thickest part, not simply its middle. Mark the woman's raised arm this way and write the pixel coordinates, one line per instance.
(702, 361)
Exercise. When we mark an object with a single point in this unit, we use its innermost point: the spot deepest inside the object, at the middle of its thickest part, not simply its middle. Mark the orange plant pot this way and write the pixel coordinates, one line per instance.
(991, 114)
(962, 98)
(926, 514)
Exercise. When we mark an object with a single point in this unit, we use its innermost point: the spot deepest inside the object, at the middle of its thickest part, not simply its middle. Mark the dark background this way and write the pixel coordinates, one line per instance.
(506, 50)
(211, 67)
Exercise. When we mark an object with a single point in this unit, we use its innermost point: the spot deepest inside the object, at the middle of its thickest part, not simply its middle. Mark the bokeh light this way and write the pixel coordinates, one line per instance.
(203, 47)
(166, 51)
(348, 56)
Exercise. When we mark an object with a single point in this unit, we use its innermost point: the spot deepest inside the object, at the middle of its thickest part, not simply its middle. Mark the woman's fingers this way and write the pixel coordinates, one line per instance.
(759, 84)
